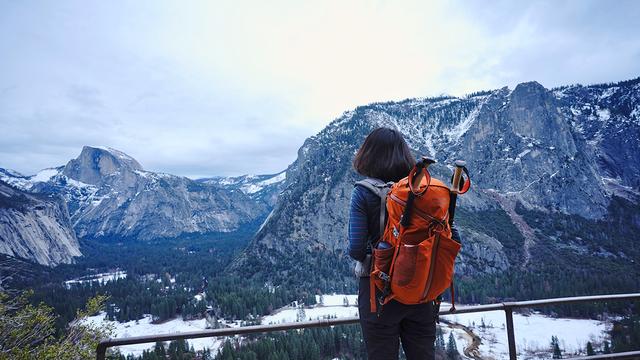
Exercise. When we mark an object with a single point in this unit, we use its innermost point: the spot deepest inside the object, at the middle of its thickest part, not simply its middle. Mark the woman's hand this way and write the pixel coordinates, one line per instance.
(455, 235)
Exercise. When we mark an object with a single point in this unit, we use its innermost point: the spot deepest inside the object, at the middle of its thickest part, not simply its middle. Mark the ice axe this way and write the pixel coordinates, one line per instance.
(459, 185)
(419, 172)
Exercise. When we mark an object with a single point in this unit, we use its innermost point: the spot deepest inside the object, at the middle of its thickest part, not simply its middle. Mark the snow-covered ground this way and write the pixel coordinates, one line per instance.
(145, 327)
(100, 279)
(328, 306)
(533, 332)
(336, 300)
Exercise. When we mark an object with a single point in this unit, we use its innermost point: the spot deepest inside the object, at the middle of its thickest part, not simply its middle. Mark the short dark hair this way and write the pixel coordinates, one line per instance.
(384, 155)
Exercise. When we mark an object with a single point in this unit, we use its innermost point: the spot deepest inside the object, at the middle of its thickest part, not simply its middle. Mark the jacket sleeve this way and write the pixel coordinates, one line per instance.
(358, 225)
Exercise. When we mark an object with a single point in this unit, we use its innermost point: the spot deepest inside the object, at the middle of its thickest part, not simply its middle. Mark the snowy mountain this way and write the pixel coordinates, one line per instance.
(542, 162)
(263, 188)
(109, 195)
(35, 227)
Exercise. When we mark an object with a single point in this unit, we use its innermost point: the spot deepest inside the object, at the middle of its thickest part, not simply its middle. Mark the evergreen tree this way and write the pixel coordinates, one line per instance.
(452, 347)
(440, 344)
(555, 347)
(590, 349)
(301, 315)
(159, 350)
(607, 349)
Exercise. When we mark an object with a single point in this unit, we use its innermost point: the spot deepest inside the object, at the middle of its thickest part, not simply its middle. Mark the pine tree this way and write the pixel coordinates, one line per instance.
(555, 347)
(452, 347)
(590, 349)
(301, 315)
(439, 339)
(607, 349)
(160, 350)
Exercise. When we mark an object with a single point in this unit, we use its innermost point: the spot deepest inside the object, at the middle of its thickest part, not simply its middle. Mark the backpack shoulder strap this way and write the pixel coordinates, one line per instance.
(381, 189)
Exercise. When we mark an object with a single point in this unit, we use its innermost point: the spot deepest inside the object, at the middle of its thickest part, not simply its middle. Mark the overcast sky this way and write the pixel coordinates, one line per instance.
(226, 88)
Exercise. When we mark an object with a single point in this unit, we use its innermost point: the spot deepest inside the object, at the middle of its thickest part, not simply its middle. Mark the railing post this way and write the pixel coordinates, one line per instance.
(101, 352)
(510, 335)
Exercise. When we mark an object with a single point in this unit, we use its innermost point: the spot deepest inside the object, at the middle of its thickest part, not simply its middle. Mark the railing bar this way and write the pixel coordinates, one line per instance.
(622, 355)
(102, 346)
(566, 300)
(228, 331)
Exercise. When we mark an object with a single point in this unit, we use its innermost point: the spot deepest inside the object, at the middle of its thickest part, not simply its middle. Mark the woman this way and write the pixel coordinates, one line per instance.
(385, 156)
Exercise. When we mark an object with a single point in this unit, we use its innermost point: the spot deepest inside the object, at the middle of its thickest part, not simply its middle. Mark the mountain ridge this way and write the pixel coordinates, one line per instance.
(109, 195)
(563, 150)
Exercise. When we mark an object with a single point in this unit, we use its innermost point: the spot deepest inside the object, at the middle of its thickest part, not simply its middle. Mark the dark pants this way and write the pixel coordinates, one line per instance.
(414, 325)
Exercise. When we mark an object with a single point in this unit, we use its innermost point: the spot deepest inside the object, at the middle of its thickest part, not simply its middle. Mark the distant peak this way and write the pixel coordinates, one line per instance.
(95, 162)
(528, 90)
(117, 153)
(530, 85)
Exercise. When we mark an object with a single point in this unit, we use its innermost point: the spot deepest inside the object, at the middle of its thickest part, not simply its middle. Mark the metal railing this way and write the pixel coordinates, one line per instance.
(507, 307)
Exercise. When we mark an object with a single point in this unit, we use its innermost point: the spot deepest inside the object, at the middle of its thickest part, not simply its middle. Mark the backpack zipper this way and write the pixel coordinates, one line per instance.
(417, 211)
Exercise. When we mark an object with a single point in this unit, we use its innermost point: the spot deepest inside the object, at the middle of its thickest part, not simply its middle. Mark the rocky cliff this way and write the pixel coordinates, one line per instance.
(35, 227)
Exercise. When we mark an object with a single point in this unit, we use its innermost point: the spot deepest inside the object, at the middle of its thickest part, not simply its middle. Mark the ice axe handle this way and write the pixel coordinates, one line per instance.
(455, 188)
(415, 178)
(457, 176)
(422, 164)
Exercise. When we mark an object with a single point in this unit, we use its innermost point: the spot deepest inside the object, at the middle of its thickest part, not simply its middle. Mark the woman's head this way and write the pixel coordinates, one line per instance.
(384, 155)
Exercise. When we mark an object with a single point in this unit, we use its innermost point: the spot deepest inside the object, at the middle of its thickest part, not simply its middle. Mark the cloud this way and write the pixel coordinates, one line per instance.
(216, 88)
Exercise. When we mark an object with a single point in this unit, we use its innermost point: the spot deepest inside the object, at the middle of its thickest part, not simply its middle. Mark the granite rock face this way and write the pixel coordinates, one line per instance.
(35, 227)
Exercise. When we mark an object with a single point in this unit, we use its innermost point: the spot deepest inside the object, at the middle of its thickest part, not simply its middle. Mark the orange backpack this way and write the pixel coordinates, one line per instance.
(418, 266)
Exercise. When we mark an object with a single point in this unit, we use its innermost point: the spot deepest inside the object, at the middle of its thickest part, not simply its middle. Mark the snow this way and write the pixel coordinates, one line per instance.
(276, 179)
(254, 188)
(603, 114)
(19, 182)
(266, 220)
(336, 299)
(291, 314)
(532, 333)
(522, 153)
(145, 327)
(11, 173)
(117, 153)
(80, 184)
(44, 175)
(608, 92)
(144, 174)
(575, 111)
(251, 189)
(460, 129)
(101, 278)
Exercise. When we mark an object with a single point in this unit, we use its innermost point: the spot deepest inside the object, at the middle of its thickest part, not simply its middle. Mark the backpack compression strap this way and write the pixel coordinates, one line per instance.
(381, 189)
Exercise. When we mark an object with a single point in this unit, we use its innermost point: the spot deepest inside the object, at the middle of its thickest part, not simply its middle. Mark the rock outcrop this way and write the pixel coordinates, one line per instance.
(35, 227)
